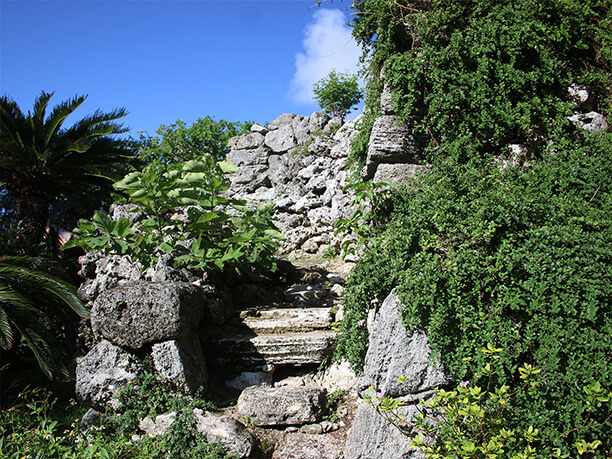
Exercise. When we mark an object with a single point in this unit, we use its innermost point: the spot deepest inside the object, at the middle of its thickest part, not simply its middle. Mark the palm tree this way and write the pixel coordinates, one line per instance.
(40, 160)
(35, 308)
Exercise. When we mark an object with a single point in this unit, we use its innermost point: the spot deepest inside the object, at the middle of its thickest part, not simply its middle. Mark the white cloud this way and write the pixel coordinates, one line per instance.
(327, 45)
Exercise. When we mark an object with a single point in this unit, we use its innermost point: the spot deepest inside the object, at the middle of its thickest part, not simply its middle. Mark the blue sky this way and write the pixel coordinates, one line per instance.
(165, 60)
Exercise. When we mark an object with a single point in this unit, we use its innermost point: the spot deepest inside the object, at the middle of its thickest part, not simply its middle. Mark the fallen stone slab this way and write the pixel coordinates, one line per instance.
(278, 406)
(279, 349)
(288, 319)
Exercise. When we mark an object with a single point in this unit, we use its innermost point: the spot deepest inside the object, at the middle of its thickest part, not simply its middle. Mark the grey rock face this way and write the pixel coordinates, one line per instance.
(282, 120)
(373, 437)
(394, 352)
(282, 139)
(248, 157)
(102, 372)
(277, 406)
(305, 446)
(225, 430)
(390, 143)
(281, 349)
(139, 314)
(396, 173)
(592, 121)
(182, 363)
(252, 140)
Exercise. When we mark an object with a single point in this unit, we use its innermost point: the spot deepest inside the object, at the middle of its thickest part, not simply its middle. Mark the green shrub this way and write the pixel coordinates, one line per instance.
(487, 73)
(473, 420)
(520, 257)
(216, 234)
(39, 427)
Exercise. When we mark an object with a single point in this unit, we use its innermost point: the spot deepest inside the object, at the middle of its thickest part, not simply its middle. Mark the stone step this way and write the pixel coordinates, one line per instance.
(277, 348)
(275, 320)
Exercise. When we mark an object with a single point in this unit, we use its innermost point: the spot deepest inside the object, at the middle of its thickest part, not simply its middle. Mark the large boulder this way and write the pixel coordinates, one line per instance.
(102, 372)
(225, 430)
(394, 352)
(145, 313)
(281, 406)
(182, 363)
(373, 437)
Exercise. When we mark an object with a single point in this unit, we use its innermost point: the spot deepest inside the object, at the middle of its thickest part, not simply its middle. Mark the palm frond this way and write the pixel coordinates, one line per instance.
(59, 115)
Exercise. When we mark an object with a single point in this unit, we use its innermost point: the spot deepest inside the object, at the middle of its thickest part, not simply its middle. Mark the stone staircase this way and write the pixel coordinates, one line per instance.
(282, 330)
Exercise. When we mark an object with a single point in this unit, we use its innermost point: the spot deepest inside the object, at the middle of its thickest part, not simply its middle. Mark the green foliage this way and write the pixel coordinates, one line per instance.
(210, 233)
(519, 257)
(487, 73)
(337, 93)
(370, 197)
(40, 160)
(39, 427)
(36, 305)
(475, 420)
(178, 143)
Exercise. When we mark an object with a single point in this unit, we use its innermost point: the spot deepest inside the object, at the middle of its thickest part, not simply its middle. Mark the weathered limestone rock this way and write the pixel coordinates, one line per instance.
(281, 140)
(280, 121)
(182, 363)
(307, 446)
(288, 319)
(102, 372)
(280, 349)
(248, 157)
(276, 406)
(390, 143)
(394, 352)
(396, 173)
(139, 314)
(226, 430)
(157, 426)
(306, 294)
(592, 121)
(373, 437)
(252, 140)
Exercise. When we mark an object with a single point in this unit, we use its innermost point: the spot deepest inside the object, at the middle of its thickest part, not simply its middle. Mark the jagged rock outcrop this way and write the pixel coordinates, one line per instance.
(299, 165)
(102, 372)
(392, 352)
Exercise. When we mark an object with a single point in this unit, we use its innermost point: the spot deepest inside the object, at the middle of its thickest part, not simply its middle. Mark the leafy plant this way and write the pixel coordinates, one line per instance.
(476, 419)
(39, 427)
(516, 256)
(337, 93)
(484, 73)
(188, 217)
(35, 308)
(178, 143)
(370, 199)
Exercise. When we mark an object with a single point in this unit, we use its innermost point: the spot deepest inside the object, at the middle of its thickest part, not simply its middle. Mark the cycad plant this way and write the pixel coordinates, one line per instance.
(40, 160)
(35, 308)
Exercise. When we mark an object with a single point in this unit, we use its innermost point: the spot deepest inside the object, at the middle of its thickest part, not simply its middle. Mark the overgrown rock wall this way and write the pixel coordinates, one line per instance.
(299, 164)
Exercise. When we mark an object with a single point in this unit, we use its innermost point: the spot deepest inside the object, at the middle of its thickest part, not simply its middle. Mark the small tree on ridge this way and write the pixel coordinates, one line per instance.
(337, 93)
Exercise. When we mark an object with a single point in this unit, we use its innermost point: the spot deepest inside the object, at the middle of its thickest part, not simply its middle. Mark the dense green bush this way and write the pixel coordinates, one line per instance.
(337, 93)
(178, 143)
(520, 257)
(188, 217)
(485, 72)
(39, 425)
